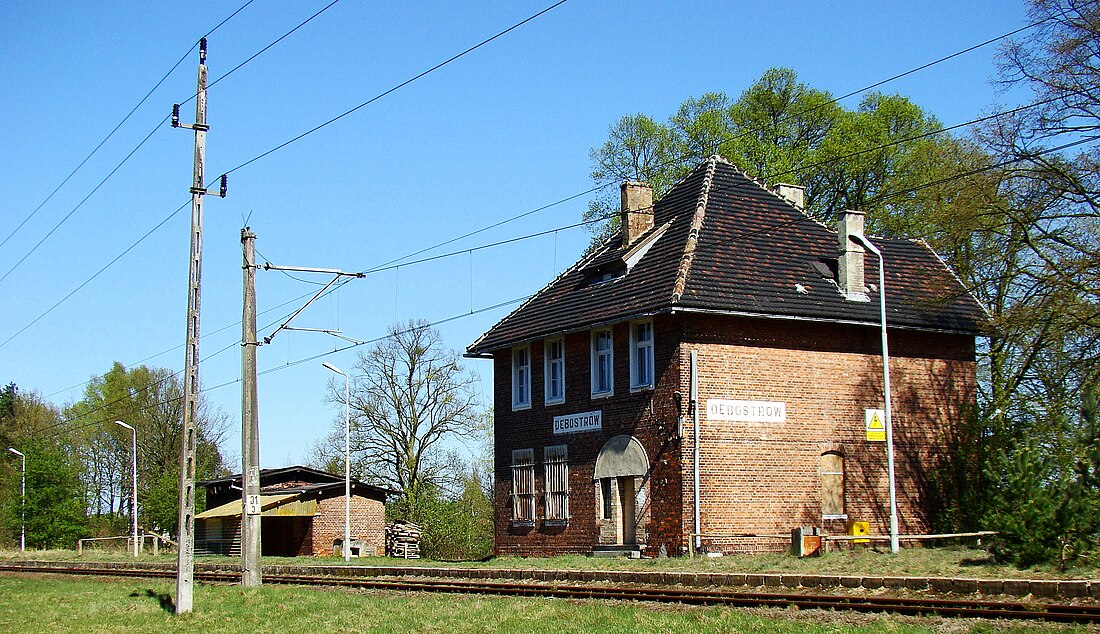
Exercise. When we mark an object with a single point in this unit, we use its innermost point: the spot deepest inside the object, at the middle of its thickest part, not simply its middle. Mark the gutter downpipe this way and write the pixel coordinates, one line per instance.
(693, 403)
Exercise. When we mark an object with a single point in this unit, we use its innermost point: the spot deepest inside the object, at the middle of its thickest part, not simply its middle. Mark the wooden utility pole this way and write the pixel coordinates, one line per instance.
(250, 428)
(185, 570)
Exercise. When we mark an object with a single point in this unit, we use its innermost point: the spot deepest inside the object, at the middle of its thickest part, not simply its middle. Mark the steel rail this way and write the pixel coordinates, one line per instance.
(962, 608)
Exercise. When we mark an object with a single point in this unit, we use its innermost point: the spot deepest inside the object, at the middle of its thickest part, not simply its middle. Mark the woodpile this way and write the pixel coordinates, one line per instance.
(403, 540)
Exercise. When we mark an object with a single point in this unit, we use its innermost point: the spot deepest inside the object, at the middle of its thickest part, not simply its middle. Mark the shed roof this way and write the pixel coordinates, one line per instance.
(298, 479)
(723, 243)
(268, 503)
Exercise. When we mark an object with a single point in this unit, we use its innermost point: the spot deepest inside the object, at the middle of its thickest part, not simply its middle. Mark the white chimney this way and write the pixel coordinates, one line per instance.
(636, 211)
(794, 194)
(850, 257)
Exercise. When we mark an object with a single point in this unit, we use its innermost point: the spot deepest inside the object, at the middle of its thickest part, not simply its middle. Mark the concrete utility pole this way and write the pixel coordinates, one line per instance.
(185, 571)
(252, 512)
(251, 575)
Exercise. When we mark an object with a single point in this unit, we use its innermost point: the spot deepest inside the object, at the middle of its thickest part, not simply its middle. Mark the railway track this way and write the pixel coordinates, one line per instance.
(1064, 613)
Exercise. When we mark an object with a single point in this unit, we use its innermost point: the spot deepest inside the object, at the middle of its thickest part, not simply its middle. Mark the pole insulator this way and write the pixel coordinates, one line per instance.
(175, 115)
(224, 185)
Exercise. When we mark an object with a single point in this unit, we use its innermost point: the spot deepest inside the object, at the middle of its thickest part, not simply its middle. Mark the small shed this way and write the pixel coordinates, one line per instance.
(302, 514)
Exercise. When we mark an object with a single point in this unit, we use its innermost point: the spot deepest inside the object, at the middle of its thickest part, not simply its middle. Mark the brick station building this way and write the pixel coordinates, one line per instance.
(712, 374)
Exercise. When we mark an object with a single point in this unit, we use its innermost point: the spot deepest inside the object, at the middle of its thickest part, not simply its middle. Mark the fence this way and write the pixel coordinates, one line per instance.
(97, 543)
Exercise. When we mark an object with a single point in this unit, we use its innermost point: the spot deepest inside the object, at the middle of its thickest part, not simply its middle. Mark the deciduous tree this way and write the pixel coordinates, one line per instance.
(409, 397)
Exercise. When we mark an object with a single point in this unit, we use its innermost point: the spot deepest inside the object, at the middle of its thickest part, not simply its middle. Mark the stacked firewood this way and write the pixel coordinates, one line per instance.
(403, 540)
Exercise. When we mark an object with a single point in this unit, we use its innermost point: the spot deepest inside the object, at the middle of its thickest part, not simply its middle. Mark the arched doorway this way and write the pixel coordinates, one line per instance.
(620, 468)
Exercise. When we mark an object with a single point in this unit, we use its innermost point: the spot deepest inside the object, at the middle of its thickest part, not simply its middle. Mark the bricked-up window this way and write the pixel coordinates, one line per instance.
(523, 486)
(832, 486)
(521, 377)
(603, 363)
(556, 462)
(641, 354)
(555, 370)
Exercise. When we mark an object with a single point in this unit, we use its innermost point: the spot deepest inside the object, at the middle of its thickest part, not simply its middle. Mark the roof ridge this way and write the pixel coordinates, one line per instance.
(963, 285)
(696, 227)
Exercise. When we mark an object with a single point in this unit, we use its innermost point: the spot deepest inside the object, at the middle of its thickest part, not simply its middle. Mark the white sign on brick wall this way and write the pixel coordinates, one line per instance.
(746, 411)
(574, 423)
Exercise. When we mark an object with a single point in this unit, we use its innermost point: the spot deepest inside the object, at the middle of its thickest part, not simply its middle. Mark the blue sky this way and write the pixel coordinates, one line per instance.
(504, 130)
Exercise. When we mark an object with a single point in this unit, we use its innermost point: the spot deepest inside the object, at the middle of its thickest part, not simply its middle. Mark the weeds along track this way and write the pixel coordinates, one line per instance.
(1014, 610)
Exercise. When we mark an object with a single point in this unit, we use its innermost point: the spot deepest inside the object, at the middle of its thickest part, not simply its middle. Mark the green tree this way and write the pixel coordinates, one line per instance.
(1040, 281)
(781, 130)
(54, 503)
(55, 509)
(454, 526)
(151, 400)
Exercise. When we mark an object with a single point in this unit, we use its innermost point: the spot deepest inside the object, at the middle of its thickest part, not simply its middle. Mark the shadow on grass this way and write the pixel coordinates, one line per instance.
(165, 600)
(975, 561)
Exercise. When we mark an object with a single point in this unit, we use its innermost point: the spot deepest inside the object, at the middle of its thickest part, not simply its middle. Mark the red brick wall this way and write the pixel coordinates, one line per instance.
(755, 478)
(368, 523)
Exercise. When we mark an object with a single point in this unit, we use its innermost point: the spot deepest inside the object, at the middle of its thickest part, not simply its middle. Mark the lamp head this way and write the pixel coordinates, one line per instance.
(865, 243)
(122, 424)
(17, 452)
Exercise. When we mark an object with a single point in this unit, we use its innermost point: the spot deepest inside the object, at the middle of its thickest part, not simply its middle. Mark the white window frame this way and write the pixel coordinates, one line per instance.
(554, 366)
(641, 351)
(556, 480)
(523, 487)
(597, 357)
(521, 378)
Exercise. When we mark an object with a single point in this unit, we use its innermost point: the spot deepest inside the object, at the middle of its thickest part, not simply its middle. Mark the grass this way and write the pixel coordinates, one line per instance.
(951, 561)
(40, 603)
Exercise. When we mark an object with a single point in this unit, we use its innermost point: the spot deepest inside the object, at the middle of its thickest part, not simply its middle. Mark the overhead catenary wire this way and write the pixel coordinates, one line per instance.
(738, 236)
(83, 424)
(524, 214)
(390, 266)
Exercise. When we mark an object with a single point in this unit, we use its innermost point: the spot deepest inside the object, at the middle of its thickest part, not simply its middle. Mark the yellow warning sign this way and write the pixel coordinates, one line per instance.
(875, 424)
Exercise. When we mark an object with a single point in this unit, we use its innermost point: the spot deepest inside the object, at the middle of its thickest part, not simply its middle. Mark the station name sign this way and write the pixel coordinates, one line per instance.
(575, 423)
(746, 411)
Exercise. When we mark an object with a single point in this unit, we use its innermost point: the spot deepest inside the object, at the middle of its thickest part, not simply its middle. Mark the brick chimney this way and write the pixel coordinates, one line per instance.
(636, 211)
(850, 257)
(794, 194)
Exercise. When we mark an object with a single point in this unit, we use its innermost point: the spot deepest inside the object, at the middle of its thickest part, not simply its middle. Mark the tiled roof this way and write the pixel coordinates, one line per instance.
(734, 247)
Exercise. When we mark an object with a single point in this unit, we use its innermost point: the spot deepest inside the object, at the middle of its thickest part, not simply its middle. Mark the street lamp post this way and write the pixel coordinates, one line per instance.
(866, 244)
(347, 459)
(22, 501)
(134, 499)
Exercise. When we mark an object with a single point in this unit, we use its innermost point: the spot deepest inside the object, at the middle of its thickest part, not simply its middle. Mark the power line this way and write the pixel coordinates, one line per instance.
(740, 236)
(116, 128)
(282, 145)
(95, 275)
(84, 200)
(386, 266)
(155, 128)
(397, 87)
(733, 138)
